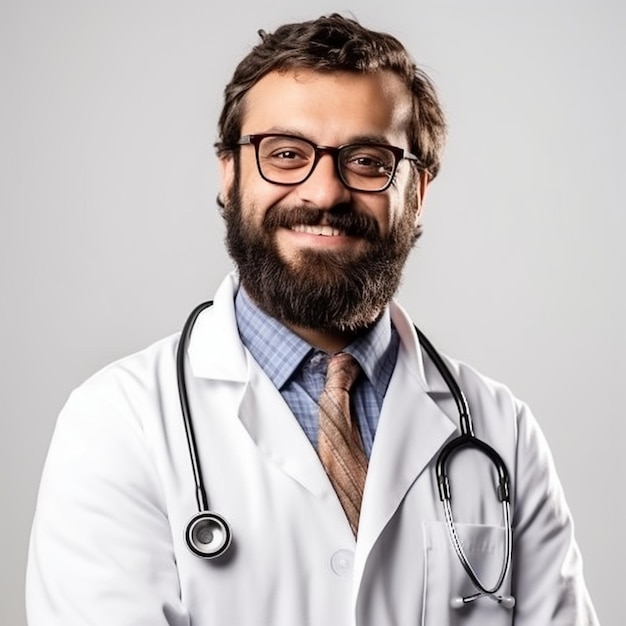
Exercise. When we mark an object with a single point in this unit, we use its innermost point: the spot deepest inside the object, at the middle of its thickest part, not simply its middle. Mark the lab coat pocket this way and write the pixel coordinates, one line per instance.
(445, 578)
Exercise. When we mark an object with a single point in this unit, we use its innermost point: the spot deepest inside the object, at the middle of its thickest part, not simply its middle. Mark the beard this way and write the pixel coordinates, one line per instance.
(319, 289)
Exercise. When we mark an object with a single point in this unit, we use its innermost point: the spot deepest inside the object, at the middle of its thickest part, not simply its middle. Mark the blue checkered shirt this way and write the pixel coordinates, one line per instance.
(298, 370)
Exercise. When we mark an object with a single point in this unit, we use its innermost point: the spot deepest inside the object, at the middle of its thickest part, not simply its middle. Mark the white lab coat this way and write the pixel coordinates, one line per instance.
(108, 548)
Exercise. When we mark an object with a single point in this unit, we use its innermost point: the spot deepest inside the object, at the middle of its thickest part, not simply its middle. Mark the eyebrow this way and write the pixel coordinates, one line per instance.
(279, 130)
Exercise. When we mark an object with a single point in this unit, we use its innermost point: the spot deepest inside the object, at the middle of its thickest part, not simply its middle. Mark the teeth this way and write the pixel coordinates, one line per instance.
(322, 229)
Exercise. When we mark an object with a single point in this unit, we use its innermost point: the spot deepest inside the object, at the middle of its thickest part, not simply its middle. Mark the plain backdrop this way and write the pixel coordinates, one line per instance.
(109, 231)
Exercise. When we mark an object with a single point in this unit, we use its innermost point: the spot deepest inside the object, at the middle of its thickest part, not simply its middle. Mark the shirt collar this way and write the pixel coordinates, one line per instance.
(376, 352)
(280, 352)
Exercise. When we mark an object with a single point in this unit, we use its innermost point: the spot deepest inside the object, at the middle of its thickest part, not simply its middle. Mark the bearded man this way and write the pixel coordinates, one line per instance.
(319, 415)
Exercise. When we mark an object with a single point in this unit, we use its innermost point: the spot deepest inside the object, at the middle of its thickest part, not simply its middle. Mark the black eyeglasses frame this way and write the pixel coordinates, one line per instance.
(335, 151)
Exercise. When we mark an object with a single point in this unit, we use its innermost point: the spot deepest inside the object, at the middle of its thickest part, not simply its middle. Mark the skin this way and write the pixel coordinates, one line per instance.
(330, 109)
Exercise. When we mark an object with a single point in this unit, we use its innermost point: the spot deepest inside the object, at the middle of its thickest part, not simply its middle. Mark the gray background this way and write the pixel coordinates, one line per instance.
(110, 234)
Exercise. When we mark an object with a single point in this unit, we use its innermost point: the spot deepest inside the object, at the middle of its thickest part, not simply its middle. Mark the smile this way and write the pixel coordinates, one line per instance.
(323, 230)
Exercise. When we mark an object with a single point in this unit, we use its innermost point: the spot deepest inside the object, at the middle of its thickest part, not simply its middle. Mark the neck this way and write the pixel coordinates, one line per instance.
(329, 341)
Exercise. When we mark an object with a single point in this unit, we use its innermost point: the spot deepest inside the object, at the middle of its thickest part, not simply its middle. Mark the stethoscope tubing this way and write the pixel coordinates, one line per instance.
(465, 562)
(181, 353)
(467, 439)
(215, 524)
(462, 407)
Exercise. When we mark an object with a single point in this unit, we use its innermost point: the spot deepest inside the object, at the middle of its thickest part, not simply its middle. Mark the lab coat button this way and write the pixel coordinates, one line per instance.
(341, 562)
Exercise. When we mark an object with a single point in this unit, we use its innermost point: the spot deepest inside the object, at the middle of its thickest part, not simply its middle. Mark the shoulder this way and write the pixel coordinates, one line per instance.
(141, 368)
(130, 385)
(483, 388)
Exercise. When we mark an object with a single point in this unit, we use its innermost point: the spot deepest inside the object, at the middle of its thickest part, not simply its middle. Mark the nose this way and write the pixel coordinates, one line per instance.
(323, 188)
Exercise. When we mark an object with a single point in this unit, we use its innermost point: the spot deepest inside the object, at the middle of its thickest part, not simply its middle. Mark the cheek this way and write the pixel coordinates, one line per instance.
(391, 207)
(403, 202)
(257, 195)
(385, 208)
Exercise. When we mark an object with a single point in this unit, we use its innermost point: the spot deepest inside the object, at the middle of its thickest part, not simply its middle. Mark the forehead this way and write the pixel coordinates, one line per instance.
(329, 107)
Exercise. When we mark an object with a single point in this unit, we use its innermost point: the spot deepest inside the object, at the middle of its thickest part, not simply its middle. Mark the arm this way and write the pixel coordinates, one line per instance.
(547, 568)
(101, 550)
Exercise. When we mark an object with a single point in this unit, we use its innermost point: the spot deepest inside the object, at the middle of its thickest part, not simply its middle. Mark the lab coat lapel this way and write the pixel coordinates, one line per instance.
(411, 430)
(277, 433)
(216, 352)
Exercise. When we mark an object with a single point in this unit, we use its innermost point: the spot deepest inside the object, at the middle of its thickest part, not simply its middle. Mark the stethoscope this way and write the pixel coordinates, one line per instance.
(208, 535)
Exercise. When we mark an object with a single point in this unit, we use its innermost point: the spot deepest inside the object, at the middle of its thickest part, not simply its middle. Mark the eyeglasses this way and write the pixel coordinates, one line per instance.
(289, 160)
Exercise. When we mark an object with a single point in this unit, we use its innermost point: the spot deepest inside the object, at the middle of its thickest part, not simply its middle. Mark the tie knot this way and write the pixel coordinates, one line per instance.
(343, 370)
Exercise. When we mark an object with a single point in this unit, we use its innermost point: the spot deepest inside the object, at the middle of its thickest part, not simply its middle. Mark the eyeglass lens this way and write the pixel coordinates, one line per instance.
(289, 160)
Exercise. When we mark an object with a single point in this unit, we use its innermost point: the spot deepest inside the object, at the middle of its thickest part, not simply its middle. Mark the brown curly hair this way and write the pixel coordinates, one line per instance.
(336, 43)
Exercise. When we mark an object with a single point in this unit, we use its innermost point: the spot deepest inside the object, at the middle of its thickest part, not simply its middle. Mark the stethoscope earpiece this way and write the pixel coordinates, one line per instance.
(457, 603)
(208, 535)
(508, 602)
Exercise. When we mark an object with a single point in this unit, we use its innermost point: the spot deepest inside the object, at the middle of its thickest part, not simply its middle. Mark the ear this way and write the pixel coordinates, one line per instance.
(227, 174)
(422, 186)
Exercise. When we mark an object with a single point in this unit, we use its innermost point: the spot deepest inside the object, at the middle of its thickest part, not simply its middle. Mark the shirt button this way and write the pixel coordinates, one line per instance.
(342, 561)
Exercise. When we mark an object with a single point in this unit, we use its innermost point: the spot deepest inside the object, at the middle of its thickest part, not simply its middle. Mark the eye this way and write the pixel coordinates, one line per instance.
(285, 152)
(368, 160)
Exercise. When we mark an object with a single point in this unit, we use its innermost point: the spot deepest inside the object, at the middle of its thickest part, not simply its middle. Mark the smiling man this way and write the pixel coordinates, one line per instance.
(351, 213)
(321, 418)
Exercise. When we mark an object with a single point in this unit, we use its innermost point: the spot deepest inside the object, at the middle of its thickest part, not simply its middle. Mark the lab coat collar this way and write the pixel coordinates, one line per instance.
(424, 372)
(215, 349)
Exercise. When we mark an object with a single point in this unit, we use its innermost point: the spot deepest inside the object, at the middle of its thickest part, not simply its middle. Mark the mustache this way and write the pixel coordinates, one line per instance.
(341, 217)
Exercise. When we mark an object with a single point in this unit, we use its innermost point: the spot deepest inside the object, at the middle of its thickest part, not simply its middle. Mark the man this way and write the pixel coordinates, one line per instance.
(329, 137)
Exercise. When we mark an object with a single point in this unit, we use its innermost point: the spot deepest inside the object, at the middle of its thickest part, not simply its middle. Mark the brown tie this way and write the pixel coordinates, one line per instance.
(339, 441)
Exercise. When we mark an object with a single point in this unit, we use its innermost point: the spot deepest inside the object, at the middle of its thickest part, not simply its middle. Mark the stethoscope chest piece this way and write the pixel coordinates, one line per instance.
(208, 535)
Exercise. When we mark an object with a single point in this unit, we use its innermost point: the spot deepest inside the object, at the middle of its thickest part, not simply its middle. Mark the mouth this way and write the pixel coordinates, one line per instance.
(336, 225)
(321, 230)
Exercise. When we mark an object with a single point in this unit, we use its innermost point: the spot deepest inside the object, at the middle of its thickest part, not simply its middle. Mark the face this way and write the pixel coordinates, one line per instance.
(318, 254)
